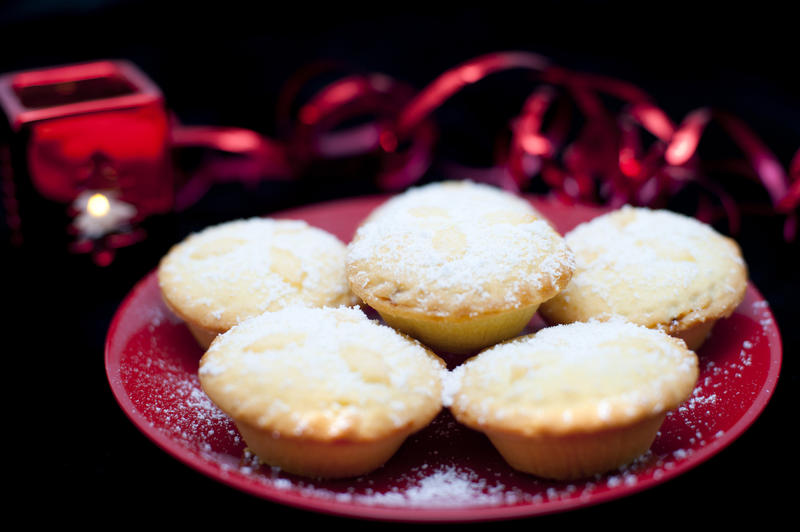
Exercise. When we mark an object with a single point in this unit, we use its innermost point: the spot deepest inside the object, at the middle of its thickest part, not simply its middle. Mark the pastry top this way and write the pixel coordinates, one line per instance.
(324, 374)
(232, 271)
(653, 267)
(572, 379)
(456, 250)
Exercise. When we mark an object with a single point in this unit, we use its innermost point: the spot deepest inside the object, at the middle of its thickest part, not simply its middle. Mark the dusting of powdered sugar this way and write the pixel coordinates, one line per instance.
(571, 375)
(354, 370)
(450, 245)
(241, 268)
(650, 265)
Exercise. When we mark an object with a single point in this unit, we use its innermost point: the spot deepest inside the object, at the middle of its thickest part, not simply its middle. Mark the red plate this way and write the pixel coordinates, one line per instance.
(445, 472)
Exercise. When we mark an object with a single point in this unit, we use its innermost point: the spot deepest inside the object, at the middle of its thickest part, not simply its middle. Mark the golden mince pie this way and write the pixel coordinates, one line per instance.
(457, 265)
(322, 392)
(653, 267)
(229, 272)
(575, 400)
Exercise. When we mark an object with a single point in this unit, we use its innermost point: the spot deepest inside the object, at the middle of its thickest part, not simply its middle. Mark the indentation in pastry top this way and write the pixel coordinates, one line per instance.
(229, 272)
(573, 378)
(457, 249)
(655, 268)
(322, 374)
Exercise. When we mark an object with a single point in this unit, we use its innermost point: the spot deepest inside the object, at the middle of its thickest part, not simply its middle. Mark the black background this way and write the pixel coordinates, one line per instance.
(79, 458)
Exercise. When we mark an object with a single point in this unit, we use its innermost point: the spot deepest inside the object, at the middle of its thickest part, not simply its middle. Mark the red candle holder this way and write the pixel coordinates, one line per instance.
(84, 156)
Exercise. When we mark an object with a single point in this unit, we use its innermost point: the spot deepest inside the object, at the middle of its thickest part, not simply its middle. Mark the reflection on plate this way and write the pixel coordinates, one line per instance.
(445, 472)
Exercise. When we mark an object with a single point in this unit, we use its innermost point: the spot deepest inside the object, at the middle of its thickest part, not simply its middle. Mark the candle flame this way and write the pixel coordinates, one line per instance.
(98, 205)
(101, 213)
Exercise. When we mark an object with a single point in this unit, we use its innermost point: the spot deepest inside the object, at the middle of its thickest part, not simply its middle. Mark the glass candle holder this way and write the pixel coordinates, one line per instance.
(84, 156)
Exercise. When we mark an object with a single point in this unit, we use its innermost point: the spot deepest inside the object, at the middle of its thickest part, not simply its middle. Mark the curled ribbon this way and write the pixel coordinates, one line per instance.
(634, 155)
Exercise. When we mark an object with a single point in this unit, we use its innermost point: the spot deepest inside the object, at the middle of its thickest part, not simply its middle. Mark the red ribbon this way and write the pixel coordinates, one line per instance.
(608, 161)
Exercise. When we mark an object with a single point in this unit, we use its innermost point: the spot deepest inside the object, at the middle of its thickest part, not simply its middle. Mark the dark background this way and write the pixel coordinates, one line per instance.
(79, 458)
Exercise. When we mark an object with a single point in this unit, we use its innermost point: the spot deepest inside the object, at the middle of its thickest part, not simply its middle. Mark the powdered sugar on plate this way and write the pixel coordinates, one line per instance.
(446, 465)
